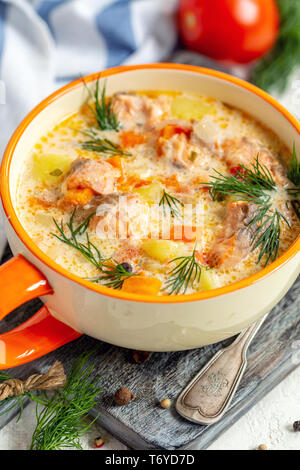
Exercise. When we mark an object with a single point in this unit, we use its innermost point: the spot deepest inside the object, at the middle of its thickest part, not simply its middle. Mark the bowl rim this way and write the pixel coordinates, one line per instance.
(116, 294)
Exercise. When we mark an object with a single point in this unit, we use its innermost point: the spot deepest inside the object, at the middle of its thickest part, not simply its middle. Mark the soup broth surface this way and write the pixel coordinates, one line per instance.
(141, 193)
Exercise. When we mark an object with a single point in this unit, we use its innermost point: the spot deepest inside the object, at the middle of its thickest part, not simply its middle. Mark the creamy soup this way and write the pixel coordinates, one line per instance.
(159, 193)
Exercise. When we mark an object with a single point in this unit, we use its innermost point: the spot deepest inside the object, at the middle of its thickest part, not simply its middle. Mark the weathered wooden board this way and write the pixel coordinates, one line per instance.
(143, 424)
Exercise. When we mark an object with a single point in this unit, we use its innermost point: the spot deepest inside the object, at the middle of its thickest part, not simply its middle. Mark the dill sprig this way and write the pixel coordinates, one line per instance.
(113, 274)
(250, 184)
(15, 401)
(100, 145)
(87, 249)
(296, 207)
(106, 118)
(294, 177)
(294, 170)
(253, 185)
(274, 69)
(171, 204)
(267, 235)
(60, 423)
(186, 272)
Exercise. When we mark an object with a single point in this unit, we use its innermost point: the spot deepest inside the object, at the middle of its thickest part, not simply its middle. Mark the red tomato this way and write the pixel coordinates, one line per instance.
(234, 30)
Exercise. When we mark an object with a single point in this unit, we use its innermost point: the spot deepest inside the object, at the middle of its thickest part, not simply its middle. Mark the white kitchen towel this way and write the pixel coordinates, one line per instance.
(46, 43)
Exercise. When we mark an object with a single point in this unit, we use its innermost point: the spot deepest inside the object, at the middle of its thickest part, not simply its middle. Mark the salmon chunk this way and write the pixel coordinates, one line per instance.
(132, 109)
(116, 216)
(180, 145)
(243, 152)
(233, 242)
(99, 176)
(175, 150)
(126, 217)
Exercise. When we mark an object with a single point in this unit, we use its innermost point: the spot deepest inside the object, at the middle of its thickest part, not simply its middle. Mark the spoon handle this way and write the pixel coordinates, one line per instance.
(209, 394)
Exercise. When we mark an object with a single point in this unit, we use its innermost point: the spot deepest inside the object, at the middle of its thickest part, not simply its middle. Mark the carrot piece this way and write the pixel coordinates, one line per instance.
(142, 285)
(78, 196)
(130, 139)
(117, 163)
(183, 233)
(171, 129)
(134, 182)
(167, 132)
(171, 181)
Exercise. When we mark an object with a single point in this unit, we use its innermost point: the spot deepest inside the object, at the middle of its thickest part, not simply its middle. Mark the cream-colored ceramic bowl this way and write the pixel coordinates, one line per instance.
(165, 323)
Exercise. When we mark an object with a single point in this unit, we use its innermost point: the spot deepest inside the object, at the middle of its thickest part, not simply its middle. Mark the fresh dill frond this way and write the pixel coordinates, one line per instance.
(102, 146)
(102, 110)
(273, 70)
(113, 275)
(267, 236)
(296, 207)
(294, 169)
(171, 204)
(250, 184)
(253, 185)
(294, 177)
(61, 422)
(186, 272)
(14, 402)
(87, 249)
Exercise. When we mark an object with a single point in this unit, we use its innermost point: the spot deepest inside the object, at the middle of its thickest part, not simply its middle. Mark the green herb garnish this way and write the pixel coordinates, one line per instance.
(171, 204)
(254, 186)
(61, 420)
(250, 184)
(296, 207)
(60, 423)
(113, 275)
(273, 70)
(87, 249)
(106, 118)
(103, 146)
(267, 236)
(56, 172)
(193, 156)
(294, 170)
(294, 177)
(15, 401)
(186, 272)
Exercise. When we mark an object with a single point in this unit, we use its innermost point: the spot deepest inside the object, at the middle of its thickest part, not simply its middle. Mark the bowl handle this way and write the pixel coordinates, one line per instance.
(20, 281)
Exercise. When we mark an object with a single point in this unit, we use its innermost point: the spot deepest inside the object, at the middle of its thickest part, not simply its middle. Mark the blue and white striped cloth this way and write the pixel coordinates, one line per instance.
(46, 43)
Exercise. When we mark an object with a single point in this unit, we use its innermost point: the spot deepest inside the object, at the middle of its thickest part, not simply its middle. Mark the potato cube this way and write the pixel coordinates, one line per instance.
(49, 167)
(189, 107)
(207, 281)
(163, 250)
(151, 193)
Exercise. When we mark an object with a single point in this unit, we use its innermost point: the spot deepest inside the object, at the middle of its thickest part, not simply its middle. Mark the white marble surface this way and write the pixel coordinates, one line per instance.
(269, 422)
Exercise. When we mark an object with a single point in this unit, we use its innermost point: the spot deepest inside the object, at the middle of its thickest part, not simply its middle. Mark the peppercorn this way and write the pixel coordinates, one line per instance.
(296, 426)
(127, 267)
(123, 396)
(98, 442)
(262, 447)
(165, 403)
(141, 357)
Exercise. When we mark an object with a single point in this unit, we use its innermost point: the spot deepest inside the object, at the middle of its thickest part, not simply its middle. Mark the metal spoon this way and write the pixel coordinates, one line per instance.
(208, 396)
